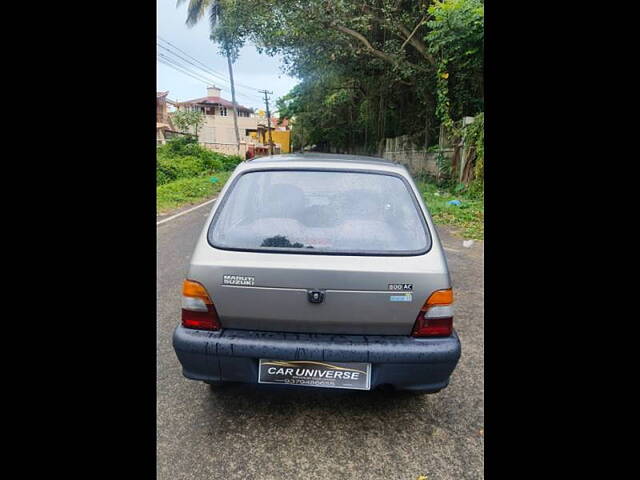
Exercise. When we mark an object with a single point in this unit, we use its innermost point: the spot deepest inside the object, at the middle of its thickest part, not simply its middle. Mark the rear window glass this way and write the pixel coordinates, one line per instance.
(320, 212)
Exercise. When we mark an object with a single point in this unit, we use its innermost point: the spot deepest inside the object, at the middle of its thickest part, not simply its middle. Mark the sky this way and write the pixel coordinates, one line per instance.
(251, 69)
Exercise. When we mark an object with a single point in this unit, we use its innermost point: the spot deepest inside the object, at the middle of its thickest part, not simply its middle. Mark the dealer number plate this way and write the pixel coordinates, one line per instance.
(307, 373)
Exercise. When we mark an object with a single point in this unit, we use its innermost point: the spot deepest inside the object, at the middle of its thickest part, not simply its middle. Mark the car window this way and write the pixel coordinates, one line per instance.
(320, 212)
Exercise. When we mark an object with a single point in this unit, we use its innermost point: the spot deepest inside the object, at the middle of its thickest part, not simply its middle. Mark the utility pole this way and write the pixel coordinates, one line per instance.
(266, 101)
(301, 136)
(235, 109)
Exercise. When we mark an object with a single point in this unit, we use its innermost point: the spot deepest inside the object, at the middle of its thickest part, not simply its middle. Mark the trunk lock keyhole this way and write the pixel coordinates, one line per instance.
(315, 296)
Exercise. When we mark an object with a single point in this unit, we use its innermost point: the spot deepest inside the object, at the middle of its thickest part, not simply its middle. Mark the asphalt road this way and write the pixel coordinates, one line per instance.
(250, 432)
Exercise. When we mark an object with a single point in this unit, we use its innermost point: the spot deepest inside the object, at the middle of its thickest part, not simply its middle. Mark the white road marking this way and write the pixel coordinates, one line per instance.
(450, 249)
(186, 211)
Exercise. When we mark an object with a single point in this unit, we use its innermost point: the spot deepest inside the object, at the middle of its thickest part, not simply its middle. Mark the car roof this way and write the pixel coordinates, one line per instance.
(324, 160)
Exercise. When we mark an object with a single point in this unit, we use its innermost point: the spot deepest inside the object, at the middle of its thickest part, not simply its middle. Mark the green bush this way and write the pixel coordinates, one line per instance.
(169, 169)
(213, 164)
(211, 160)
(188, 147)
(189, 166)
(166, 171)
(183, 158)
(231, 161)
(162, 177)
(177, 146)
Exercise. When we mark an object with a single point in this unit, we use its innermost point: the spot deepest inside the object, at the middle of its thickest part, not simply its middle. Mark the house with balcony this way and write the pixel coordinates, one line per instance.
(163, 122)
(218, 131)
(164, 126)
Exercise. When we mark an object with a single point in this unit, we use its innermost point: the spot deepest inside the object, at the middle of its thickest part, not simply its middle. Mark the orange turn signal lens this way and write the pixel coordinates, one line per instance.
(191, 288)
(439, 297)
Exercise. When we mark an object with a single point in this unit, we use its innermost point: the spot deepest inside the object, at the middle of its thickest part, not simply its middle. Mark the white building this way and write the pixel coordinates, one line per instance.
(218, 132)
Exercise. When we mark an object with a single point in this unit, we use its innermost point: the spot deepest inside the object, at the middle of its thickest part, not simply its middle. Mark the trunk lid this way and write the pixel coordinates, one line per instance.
(271, 292)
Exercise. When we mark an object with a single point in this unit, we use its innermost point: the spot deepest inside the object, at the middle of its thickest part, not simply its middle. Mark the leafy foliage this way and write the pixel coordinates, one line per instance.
(184, 158)
(170, 169)
(456, 40)
(472, 136)
(368, 70)
(186, 120)
(184, 170)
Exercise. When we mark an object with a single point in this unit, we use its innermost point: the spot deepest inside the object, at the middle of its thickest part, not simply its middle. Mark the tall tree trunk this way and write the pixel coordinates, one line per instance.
(233, 99)
(467, 174)
(366, 129)
(427, 123)
(380, 128)
(351, 148)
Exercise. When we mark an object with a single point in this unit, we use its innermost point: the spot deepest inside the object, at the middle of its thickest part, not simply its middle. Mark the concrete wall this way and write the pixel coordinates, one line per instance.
(414, 157)
(218, 129)
(226, 148)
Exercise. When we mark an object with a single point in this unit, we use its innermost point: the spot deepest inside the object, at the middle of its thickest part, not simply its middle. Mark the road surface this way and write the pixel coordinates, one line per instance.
(249, 432)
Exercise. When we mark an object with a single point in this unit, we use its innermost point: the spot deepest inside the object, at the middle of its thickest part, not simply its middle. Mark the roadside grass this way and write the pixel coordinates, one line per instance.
(467, 219)
(188, 191)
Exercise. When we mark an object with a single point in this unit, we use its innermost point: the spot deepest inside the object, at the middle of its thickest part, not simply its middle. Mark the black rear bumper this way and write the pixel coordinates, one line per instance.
(232, 355)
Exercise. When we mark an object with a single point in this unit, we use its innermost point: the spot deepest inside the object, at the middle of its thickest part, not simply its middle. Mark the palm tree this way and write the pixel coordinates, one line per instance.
(195, 11)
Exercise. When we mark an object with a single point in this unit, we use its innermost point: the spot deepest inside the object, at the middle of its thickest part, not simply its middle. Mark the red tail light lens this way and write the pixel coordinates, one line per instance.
(198, 310)
(435, 318)
(201, 320)
(433, 327)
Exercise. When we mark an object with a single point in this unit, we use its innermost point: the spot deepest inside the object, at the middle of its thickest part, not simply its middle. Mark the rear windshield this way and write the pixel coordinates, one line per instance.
(320, 212)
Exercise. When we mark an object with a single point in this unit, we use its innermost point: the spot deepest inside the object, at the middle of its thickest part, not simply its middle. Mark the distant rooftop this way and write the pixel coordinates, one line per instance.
(216, 100)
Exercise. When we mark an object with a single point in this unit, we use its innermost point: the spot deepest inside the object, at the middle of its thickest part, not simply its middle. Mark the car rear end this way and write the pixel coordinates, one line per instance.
(319, 273)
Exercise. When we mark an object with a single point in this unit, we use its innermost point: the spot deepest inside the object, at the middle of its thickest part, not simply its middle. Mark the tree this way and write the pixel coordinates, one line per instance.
(369, 70)
(456, 40)
(195, 11)
(366, 64)
(187, 119)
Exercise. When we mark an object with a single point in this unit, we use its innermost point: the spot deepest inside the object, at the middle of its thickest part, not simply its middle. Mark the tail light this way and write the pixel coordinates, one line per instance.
(436, 316)
(198, 310)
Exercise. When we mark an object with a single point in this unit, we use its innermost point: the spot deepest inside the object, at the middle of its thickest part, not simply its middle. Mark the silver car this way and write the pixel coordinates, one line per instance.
(319, 270)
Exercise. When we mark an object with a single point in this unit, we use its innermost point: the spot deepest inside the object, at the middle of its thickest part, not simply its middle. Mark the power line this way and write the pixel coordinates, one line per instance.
(188, 74)
(206, 67)
(191, 63)
(253, 97)
(185, 72)
(193, 74)
(191, 57)
(180, 69)
(201, 77)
